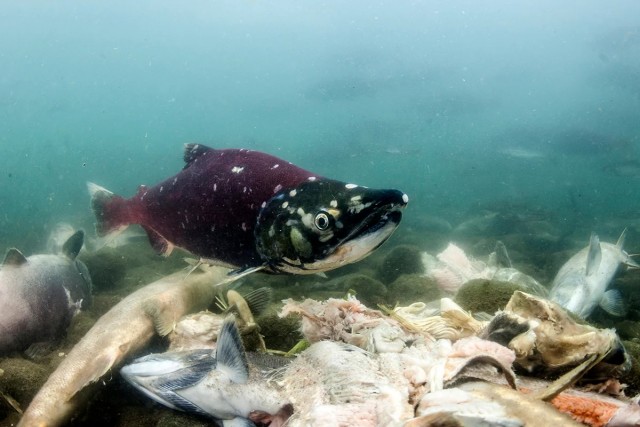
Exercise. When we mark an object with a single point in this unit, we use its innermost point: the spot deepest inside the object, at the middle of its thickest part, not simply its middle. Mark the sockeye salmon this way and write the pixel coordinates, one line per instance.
(249, 210)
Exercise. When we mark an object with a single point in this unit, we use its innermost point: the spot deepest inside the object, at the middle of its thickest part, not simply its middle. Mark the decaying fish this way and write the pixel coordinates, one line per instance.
(216, 383)
(581, 284)
(122, 331)
(547, 341)
(251, 210)
(486, 404)
(201, 330)
(40, 294)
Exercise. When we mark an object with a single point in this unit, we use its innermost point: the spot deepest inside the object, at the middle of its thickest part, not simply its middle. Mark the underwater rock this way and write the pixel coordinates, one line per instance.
(281, 333)
(107, 268)
(409, 288)
(628, 330)
(402, 259)
(22, 378)
(370, 291)
(632, 378)
(484, 295)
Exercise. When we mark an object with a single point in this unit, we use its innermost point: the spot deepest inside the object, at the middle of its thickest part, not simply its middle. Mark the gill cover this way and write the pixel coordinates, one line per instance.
(321, 225)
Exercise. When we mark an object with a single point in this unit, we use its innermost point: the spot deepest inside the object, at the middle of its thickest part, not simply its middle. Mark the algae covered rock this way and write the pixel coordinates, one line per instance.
(369, 291)
(410, 288)
(485, 295)
(402, 259)
(281, 333)
(632, 378)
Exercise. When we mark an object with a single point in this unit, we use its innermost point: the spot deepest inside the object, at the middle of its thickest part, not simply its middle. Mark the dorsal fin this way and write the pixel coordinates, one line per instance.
(594, 255)
(194, 151)
(620, 242)
(14, 257)
(72, 246)
(230, 354)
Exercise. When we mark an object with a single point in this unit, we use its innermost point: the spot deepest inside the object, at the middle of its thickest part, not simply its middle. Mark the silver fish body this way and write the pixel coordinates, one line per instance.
(215, 383)
(40, 294)
(581, 283)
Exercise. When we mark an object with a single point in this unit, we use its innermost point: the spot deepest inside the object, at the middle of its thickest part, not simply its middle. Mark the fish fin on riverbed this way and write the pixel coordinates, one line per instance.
(594, 255)
(230, 354)
(613, 303)
(14, 258)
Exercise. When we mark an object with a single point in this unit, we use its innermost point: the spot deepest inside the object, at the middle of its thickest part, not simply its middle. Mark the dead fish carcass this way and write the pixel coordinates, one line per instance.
(547, 341)
(581, 284)
(40, 294)
(215, 383)
(125, 329)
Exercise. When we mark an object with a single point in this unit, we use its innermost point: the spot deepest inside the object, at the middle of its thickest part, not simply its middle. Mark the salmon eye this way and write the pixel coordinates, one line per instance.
(321, 221)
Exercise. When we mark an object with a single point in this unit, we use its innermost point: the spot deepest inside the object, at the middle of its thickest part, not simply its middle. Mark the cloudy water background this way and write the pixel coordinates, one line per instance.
(465, 106)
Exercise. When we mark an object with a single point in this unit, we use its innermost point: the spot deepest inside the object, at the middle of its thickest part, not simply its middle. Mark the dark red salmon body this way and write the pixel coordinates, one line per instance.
(210, 207)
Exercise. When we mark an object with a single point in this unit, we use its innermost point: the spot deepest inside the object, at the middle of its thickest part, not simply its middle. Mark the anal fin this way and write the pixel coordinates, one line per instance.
(158, 243)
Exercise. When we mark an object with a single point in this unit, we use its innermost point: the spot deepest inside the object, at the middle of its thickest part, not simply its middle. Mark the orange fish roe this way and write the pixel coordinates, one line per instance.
(592, 412)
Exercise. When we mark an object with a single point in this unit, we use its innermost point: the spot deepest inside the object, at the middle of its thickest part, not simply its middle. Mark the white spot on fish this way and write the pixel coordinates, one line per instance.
(175, 180)
(244, 226)
(161, 188)
(333, 203)
(356, 199)
(275, 166)
(312, 178)
(293, 193)
(244, 189)
(405, 198)
(182, 225)
(237, 169)
(307, 218)
(284, 205)
(215, 187)
(213, 228)
(350, 186)
(277, 188)
(263, 204)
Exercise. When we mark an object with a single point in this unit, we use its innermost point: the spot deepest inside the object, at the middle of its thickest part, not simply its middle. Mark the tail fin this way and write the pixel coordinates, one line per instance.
(112, 212)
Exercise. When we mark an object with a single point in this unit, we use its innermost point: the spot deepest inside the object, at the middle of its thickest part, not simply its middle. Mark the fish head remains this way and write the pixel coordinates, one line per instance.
(323, 224)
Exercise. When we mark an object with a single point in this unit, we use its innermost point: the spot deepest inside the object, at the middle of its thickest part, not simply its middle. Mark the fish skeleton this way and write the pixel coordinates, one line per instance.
(125, 329)
(581, 284)
(216, 385)
(250, 210)
(40, 294)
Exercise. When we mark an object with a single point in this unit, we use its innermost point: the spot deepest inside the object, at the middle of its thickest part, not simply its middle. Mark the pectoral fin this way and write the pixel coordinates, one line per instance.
(162, 319)
(613, 303)
(594, 256)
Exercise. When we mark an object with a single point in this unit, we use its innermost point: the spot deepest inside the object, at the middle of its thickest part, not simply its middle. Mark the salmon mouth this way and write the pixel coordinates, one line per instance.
(373, 223)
